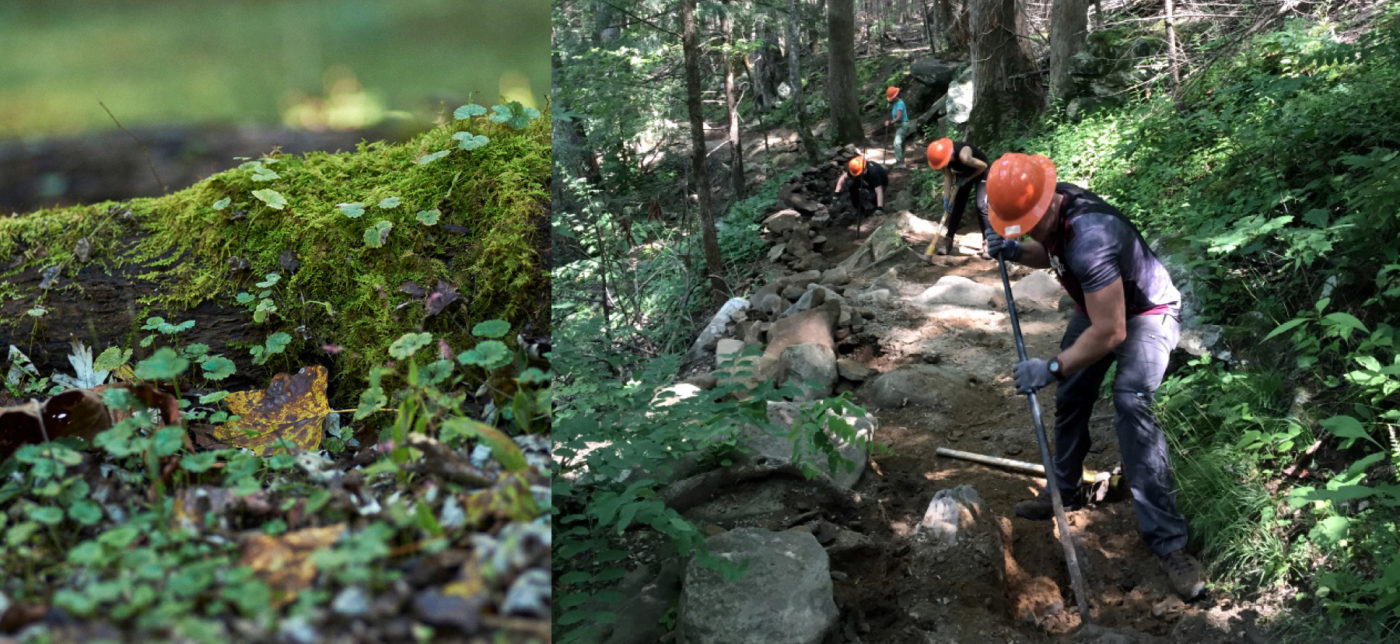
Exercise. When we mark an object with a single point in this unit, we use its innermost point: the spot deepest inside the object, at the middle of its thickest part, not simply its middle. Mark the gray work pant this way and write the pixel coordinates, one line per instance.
(1142, 361)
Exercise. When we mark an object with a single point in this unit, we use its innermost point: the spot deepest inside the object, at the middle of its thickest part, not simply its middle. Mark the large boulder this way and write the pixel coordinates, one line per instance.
(809, 366)
(959, 104)
(779, 447)
(883, 243)
(814, 325)
(919, 384)
(1038, 291)
(784, 596)
(935, 73)
(783, 221)
(952, 514)
(703, 349)
(959, 291)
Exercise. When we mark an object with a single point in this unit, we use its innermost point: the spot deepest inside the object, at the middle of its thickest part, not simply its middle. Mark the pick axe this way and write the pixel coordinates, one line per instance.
(1076, 577)
(947, 214)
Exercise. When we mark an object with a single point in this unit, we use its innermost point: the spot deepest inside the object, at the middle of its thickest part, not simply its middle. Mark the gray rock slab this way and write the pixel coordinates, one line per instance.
(785, 596)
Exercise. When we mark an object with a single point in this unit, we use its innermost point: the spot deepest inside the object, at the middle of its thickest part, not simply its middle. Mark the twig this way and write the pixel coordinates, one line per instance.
(149, 163)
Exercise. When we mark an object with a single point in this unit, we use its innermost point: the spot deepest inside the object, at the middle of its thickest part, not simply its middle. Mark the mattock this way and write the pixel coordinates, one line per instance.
(1076, 577)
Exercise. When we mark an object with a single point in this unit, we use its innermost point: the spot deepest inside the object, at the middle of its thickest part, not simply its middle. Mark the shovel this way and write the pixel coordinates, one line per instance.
(1076, 577)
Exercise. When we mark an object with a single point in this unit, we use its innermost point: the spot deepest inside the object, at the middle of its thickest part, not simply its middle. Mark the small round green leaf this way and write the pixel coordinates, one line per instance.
(85, 512)
(165, 364)
(467, 111)
(198, 462)
(277, 342)
(488, 355)
(272, 198)
(352, 210)
(47, 515)
(408, 344)
(429, 217)
(491, 329)
(377, 236)
(389, 203)
(222, 203)
(469, 141)
(429, 158)
(218, 368)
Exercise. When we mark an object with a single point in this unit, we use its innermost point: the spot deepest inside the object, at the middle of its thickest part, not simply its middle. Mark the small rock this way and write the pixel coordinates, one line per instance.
(238, 264)
(288, 261)
(1012, 450)
(83, 250)
(1169, 607)
(852, 370)
(50, 275)
(529, 594)
(726, 349)
(297, 630)
(448, 611)
(351, 602)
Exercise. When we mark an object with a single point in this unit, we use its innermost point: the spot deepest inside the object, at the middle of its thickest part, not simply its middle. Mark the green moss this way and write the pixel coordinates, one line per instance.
(494, 201)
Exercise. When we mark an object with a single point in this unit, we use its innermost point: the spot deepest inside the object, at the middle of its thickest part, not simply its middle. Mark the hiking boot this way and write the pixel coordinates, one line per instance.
(1041, 508)
(946, 247)
(1184, 573)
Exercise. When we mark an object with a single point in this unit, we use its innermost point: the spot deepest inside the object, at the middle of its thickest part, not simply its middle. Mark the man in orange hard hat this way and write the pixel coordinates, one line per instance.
(964, 170)
(1126, 311)
(899, 115)
(864, 174)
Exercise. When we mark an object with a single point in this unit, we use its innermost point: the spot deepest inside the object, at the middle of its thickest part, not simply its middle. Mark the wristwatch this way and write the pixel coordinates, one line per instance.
(1054, 367)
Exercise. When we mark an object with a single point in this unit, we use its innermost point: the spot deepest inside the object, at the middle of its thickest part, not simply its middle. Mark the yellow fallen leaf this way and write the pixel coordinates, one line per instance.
(284, 562)
(293, 407)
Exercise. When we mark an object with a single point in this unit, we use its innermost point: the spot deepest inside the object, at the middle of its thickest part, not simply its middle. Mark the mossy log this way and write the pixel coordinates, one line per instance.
(474, 221)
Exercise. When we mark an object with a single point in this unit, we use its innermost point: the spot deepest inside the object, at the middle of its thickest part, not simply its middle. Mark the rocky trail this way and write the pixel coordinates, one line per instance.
(912, 546)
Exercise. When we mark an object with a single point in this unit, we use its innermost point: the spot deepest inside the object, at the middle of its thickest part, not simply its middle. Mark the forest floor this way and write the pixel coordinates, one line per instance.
(892, 589)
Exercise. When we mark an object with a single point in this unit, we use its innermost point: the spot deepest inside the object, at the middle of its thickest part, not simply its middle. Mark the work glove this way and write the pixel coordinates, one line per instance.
(1031, 374)
(999, 247)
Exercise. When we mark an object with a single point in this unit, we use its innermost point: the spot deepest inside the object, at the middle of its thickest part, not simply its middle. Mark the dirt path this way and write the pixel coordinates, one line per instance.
(883, 597)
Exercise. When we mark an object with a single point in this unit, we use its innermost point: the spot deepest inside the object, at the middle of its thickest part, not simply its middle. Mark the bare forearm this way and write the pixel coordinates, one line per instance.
(1090, 347)
(1034, 255)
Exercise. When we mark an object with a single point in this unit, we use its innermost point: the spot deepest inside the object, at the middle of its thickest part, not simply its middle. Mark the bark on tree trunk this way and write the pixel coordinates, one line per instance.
(714, 264)
(1069, 20)
(1005, 88)
(841, 73)
(731, 104)
(809, 142)
(1171, 47)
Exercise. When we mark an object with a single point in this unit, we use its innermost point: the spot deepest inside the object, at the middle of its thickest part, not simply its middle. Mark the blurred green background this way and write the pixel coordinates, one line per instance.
(306, 64)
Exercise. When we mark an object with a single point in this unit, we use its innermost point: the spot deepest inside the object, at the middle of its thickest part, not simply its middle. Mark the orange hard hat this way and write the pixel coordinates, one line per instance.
(856, 165)
(891, 92)
(1019, 190)
(940, 152)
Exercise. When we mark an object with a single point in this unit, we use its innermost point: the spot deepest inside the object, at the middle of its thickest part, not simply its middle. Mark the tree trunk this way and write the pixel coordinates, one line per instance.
(1069, 20)
(1171, 47)
(809, 142)
(1005, 88)
(714, 264)
(841, 72)
(766, 71)
(731, 104)
(928, 28)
